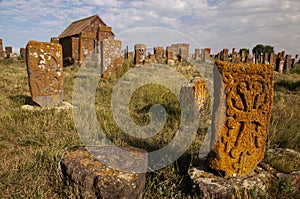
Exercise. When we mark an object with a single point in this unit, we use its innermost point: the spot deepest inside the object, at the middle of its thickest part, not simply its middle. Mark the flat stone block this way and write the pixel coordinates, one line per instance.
(94, 179)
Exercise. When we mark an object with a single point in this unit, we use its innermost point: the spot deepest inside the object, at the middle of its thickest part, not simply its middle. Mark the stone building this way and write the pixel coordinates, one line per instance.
(83, 36)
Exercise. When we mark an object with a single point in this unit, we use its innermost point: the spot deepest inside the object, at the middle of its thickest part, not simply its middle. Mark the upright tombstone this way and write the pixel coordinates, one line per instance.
(111, 56)
(234, 57)
(288, 63)
(159, 53)
(224, 55)
(140, 53)
(243, 55)
(245, 94)
(182, 51)
(23, 52)
(218, 56)
(206, 55)
(197, 53)
(8, 50)
(295, 61)
(44, 67)
(273, 58)
(1, 48)
(266, 58)
(280, 62)
(171, 53)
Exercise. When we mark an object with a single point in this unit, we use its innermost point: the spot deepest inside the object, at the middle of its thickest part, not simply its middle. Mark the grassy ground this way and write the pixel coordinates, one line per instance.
(32, 143)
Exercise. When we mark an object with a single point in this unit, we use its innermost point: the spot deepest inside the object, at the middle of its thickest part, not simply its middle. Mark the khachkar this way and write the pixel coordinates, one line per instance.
(242, 134)
(44, 67)
(140, 53)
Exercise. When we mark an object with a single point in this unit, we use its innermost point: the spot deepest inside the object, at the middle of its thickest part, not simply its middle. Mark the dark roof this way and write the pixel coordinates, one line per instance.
(77, 27)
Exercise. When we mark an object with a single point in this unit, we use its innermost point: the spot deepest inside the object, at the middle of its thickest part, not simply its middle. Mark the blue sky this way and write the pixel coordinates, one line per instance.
(212, 23)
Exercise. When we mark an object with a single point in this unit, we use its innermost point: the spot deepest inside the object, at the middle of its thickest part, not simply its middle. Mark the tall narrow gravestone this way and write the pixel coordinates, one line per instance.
(242, 132)
(44, 67)
(140, 53)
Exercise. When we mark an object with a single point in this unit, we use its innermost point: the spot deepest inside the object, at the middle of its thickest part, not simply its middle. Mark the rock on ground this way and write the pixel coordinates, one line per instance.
(93, 179)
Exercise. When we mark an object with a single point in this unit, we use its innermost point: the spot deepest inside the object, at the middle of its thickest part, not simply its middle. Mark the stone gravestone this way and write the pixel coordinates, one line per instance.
(197, 53)
(1, 49)
(8, 51)
(206, 56)
(159, 53)
(242, 132)
(44, 67)
(140, 53)
(288, 63)
(294, 61)
(112, 57)
(23, 52)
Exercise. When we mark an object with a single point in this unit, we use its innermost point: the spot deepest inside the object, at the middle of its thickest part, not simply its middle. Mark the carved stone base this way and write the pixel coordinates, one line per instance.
(263, 180)
(64, 106)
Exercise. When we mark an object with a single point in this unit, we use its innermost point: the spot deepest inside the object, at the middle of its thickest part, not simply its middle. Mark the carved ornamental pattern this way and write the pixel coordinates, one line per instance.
(240, 144)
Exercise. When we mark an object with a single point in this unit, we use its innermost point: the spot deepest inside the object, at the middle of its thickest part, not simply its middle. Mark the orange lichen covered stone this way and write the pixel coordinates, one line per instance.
(197, 91)
(44, 67)
(242, 134)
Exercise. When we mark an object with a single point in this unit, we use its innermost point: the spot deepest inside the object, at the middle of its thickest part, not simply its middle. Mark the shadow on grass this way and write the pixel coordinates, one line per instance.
(287, 85)
(23, 100)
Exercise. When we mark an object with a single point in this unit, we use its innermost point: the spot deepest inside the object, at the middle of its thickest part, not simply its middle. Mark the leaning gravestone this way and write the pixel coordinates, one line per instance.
(44, 67)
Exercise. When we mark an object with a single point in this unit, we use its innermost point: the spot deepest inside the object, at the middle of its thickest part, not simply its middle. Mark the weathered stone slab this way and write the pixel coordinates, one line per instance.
(23, 52)
(197, 53)
(206, 55)
(171, 54)
(8, 51)
(140, 53)
(224, 55)
(1, 48)
(182, 51)
(242, 134)
(288, 64)
(44, 67)
(112, 57)
(94, 179)
(197, 89)
(159, 53)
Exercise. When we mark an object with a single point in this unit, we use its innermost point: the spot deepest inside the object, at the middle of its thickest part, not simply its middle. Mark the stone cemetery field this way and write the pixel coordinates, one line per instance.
(32, 143)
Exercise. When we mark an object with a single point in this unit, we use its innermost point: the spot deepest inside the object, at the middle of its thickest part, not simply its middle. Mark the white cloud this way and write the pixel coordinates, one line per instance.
(214, 23)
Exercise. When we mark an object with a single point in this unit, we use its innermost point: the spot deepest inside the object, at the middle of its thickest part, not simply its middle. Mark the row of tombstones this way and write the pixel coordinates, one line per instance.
(8, 51)
(171, 54)
(280, 62)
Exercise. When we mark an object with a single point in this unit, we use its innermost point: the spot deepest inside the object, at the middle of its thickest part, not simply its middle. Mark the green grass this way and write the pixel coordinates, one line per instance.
(32, 143)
